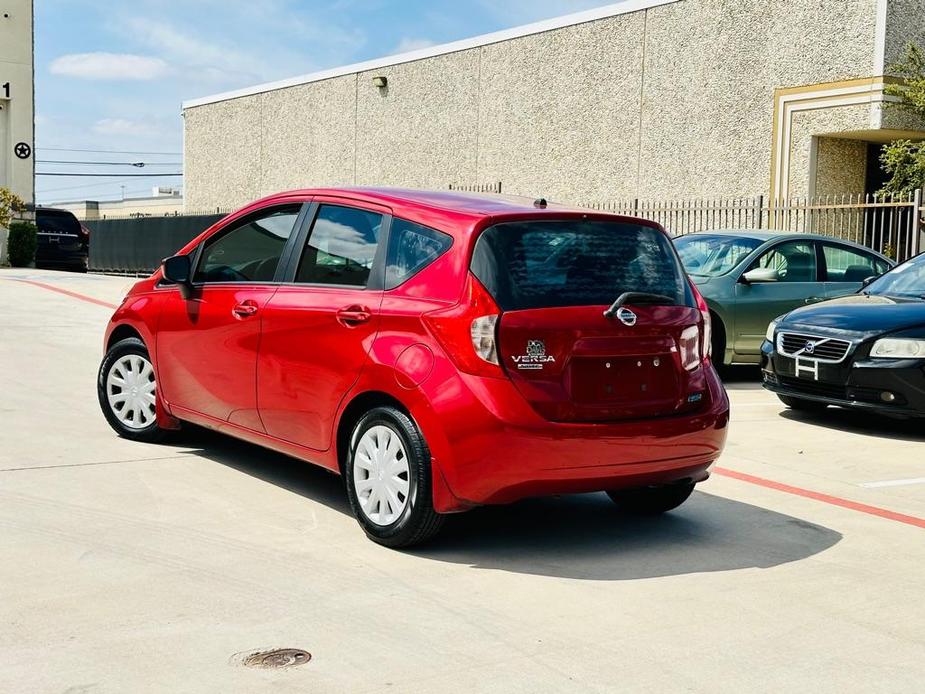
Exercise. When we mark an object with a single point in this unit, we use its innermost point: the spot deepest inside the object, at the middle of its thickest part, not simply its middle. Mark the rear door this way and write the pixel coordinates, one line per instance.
(798, 283)
(319, 327)
(846, 268)
(207, 345)
(553, 281)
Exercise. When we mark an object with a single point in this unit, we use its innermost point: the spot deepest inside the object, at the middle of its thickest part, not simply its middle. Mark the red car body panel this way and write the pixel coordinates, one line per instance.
(284, 376)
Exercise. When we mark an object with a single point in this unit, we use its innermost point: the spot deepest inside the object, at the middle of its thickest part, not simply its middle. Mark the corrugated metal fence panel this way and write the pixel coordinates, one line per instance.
(140, 244)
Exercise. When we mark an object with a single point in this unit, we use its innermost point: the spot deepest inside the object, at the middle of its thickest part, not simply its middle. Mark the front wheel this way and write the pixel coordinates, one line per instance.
(389, 479)
(651, 500)
(127, 391)
(801, 405)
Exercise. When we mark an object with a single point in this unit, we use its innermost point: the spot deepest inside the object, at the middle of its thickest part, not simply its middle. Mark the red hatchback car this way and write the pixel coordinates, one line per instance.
(439, 350)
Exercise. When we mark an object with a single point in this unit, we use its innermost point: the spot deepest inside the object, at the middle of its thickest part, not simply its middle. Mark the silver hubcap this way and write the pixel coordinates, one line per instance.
(381, 476)
(131, 389)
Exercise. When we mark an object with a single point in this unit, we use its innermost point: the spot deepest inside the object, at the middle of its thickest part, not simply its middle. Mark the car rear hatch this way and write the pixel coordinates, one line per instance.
(571, 351)
(59, 232)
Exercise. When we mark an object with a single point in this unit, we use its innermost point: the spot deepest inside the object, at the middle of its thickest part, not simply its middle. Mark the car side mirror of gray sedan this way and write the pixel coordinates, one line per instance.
(868, 280)
(760, 275)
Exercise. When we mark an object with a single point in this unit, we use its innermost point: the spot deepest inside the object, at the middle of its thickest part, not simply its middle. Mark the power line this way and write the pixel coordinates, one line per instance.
(106, 151)
(106, 175)
(138, 164)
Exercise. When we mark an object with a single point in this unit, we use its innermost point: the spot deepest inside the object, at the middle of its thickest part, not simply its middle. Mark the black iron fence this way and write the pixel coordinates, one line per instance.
(138, 244)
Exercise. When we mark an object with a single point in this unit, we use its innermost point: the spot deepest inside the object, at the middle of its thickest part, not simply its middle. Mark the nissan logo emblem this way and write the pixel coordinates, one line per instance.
(626, 317)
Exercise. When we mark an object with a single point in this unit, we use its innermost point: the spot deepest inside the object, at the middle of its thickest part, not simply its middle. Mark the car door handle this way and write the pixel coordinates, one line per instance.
(353, 316)
(245, 309)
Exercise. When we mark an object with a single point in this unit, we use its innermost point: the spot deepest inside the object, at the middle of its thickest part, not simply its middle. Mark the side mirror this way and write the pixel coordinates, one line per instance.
(177, 269)
(761, 275)
(868, 280)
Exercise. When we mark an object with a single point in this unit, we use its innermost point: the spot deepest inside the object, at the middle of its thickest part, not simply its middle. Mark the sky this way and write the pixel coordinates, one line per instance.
(111, 75)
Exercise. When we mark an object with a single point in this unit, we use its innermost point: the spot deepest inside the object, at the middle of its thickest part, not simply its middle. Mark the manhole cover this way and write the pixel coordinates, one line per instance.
(277, 658)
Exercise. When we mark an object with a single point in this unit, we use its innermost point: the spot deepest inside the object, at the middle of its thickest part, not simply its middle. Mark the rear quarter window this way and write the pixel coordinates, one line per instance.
(412, 247)
(546, 264)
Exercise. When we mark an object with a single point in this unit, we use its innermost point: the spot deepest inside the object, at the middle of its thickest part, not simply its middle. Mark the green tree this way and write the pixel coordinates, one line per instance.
(10, 205)
(904, 160)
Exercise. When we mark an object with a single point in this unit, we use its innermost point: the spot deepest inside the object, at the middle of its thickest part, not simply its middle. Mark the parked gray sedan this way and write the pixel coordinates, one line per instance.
(748, 278)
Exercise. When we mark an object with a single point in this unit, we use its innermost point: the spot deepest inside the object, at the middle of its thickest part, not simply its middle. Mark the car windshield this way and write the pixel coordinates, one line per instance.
(906, 280)
(711, 255)
(545, 264)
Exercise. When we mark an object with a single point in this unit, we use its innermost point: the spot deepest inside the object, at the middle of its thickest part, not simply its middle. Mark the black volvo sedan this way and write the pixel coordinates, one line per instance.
(865, 351)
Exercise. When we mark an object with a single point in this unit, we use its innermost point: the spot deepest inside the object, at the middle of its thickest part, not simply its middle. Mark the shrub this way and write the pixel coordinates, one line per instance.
(21, 244)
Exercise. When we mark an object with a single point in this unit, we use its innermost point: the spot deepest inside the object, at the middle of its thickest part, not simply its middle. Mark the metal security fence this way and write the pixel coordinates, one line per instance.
(138, 244)
(891, 224)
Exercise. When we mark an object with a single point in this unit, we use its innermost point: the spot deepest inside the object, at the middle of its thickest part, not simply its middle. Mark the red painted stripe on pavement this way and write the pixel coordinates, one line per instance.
(825, 498)
(67, 292)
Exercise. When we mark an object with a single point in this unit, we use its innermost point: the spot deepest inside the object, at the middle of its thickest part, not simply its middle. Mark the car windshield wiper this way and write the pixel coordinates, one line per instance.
(640, 299)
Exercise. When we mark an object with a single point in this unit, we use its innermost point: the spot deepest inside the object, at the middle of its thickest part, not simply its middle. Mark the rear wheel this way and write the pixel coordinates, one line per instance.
(651, 500)
(389, 482)
(127, 391)
(801, 405)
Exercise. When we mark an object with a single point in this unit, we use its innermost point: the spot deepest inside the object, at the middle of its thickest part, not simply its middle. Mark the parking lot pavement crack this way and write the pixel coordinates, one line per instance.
(100, 462)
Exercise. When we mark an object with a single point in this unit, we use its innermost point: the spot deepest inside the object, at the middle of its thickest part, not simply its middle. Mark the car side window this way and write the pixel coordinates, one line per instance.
(341, 247)
(250, 250)
(795, 261)
(412, 247)
(843, 264)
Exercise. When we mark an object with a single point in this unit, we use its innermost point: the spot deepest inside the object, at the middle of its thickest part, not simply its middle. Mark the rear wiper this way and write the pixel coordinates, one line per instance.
(640, 299)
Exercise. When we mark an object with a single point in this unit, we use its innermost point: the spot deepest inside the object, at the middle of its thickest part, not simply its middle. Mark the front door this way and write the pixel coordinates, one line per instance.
(318, 330)
(797, 284)
(207, 345)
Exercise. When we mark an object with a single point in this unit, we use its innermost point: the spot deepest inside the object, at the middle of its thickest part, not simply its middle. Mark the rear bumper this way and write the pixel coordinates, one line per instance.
(498, 450)
(50, 255)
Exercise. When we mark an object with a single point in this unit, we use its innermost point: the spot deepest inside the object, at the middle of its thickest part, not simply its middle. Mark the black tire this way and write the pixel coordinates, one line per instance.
(418, 521)
(801, 405)
(651, 501)
(131, 345)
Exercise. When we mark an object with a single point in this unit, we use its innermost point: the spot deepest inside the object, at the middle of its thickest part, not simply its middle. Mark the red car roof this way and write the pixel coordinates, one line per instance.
(469, 204)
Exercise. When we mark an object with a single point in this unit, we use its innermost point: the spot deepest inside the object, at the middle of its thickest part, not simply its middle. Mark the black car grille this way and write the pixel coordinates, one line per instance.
(812, 347)
(826, 390)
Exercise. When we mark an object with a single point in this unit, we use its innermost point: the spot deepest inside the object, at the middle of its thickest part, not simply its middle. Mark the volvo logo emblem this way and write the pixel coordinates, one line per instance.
(809, 347)
(626, 316)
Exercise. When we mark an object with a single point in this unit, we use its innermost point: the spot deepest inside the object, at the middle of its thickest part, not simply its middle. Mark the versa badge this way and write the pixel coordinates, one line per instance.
(535, 358)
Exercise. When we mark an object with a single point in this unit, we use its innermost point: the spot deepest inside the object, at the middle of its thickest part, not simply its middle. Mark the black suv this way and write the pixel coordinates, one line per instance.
(63, 240)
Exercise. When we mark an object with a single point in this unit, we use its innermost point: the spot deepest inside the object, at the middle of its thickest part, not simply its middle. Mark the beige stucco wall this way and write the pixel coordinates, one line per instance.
(17, 110)
(841, 167)
(674, 101)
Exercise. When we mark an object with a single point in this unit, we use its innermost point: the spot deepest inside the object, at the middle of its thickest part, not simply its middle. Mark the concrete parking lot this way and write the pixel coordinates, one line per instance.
(132, 568)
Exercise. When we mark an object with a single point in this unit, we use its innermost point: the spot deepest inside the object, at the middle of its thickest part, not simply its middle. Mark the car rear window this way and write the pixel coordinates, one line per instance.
(546, 264)
(57, 223)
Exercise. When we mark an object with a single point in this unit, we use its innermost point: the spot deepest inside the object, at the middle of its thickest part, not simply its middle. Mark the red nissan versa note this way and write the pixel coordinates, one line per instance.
(439, 350)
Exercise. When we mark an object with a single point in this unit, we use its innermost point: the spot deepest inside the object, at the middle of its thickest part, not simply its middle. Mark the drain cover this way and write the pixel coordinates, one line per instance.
(277, 658)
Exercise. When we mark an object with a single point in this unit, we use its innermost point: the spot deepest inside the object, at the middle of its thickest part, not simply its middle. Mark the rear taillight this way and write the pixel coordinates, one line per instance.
(483, 337)
(689, 346)
(83, 233)
(468, 331)
(707, 343)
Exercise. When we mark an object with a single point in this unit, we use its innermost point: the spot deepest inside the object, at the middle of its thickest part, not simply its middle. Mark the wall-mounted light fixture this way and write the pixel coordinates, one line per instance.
(380, 81)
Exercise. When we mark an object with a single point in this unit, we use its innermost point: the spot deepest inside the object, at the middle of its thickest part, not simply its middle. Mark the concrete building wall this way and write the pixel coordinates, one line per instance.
(673, 100)
(16, 103)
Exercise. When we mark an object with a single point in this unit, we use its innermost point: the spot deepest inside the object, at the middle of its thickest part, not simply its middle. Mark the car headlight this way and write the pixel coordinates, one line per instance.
(772, 328)
(898, 348)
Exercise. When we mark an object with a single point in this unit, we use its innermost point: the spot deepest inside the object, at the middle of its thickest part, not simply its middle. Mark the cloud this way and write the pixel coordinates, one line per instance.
(109, 66)
(116, 127)
(410, 44)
